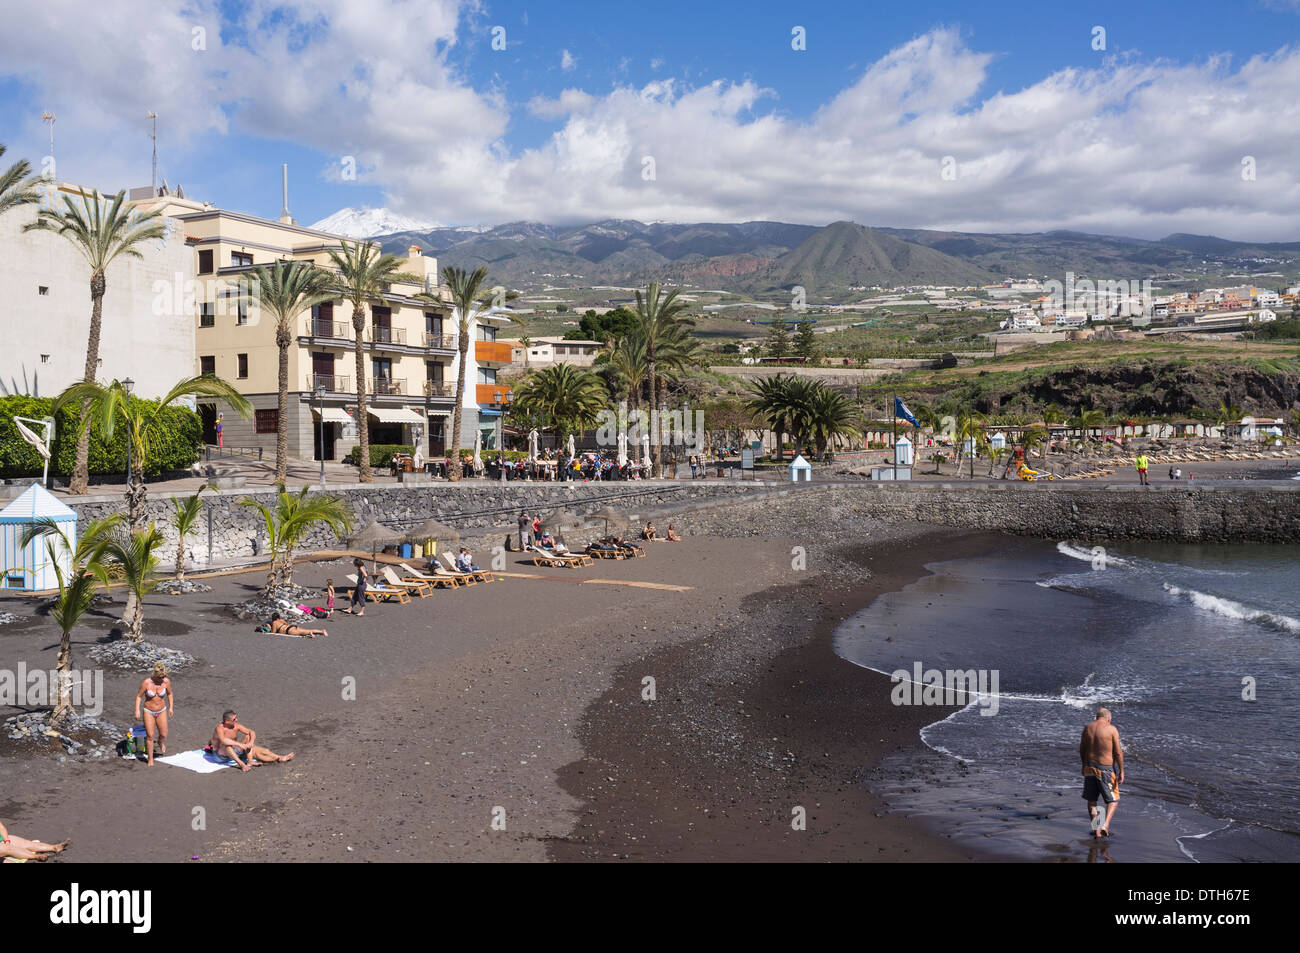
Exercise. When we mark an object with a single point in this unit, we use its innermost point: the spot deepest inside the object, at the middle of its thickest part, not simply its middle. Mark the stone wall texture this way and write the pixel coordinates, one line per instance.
(1248, 511)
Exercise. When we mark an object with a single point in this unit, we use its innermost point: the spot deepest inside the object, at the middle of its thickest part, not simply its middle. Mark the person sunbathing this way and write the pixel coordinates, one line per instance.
(21, 848)
(283, 627)
(649, 532)
(226, 743)
(546, 541)
(620, 543)
(672, 535)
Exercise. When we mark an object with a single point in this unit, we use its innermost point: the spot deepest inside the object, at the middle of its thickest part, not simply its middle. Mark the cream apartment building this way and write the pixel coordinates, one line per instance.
(411, 353)
(45, 285)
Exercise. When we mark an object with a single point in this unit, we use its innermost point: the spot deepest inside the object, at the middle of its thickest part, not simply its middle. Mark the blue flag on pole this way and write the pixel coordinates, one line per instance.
(900, 410)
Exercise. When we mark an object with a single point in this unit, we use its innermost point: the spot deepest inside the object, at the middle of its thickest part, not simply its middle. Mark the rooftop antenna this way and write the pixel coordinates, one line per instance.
(154, 136)
(48, 118)
(284, 182)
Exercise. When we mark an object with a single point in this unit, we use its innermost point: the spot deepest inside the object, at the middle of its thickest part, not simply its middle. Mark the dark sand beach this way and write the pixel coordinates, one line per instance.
(523, 695)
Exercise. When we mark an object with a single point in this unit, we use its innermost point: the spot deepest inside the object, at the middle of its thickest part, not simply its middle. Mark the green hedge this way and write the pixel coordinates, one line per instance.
(175, 444)
(381, 454)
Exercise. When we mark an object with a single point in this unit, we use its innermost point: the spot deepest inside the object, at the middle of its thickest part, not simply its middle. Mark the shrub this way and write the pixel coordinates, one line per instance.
(381, 454)
(176, 443)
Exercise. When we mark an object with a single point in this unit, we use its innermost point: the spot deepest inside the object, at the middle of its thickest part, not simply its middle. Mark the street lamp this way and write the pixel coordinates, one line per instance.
(128, 385)
(320, 412)
(501, 453)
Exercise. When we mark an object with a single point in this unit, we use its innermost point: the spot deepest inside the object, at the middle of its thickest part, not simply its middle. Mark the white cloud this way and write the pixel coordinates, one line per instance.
(567, 62)
(1127, 146)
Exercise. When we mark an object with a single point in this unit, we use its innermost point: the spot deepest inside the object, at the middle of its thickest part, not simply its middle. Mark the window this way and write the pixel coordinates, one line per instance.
(43, 290)
(487, 332)
(208, 364)
(205, 261)
(243, 365)
(487, 375)
(432, 323)
(207, 314)
(266, 421)
(238, 258)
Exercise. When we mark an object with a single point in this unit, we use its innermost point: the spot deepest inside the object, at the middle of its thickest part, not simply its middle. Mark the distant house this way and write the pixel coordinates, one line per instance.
(543, 352)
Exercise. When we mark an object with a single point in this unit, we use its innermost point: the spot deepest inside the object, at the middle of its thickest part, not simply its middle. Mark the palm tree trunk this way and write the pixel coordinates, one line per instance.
(282, 415)
(63, 700)
(363, 421)
(180, 559)
(453, 471)
(80, 481)
(135, 621)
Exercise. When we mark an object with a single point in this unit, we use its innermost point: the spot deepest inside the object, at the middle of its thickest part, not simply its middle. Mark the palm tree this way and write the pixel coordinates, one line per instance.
(831, 414)
(1229, 414)
(107, 404)
(470, 300)
(364, 274)
(290, 521)
(184, 519)
(657, 318)
(86, 569)
(286, 289)
(769, 402)
(569, 396)
(137, 557)
(102, 232)
(625, 363)
(15, 187)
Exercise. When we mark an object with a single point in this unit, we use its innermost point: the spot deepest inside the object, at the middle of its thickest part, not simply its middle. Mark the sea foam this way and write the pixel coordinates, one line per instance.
(1236, 610)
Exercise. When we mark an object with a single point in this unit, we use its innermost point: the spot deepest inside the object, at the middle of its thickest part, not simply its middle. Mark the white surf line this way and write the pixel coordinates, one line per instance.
(1190, 856)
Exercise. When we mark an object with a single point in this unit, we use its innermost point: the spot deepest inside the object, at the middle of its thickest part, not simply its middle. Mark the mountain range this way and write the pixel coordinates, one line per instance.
(833, 261)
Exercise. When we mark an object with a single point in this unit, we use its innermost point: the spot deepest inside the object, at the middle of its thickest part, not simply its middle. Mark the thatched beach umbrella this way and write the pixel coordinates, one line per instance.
(432, 529)
(372, 534)
(610, 515)
(564, 518)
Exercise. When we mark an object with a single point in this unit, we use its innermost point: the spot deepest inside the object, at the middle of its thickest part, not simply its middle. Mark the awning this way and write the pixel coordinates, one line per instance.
(395, 415)
(332, 415)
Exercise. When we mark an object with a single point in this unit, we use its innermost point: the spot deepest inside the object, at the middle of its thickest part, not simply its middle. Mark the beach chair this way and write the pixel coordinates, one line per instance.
(421, 589)
(380, 593)
(599, 553)
(549, 557)
(481, 575)
(438, 582)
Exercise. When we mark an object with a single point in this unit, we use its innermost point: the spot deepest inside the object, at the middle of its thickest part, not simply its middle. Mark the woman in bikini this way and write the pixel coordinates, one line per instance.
(159, 703)
(284, 627)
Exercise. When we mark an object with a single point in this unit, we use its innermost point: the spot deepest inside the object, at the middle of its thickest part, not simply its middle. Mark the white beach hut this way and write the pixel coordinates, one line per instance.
(29, 567)
(998, 441)
(800, 469)
(903, 452)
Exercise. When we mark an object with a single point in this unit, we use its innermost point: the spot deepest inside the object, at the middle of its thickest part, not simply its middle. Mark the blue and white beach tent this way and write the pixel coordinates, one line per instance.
(29, 567)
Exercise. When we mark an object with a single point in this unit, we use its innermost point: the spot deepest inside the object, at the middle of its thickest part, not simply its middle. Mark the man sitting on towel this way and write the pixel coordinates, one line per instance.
(227, 744)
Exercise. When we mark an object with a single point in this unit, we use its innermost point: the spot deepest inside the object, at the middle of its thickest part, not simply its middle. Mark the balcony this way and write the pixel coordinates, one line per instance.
(382, 335)
(331, 330)
(439, 389)
(442, 342)
(486, 394)
(333, 383)
(492, 352)
(387, 387)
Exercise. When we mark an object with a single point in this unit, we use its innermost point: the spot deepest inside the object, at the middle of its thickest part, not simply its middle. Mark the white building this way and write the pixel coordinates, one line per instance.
(45, 285)
(542, 352)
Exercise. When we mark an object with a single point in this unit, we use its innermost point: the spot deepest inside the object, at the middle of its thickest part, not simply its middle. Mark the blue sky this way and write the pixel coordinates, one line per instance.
(1036, 128)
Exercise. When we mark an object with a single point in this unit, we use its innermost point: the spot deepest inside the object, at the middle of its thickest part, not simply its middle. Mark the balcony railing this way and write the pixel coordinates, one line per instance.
(387, 387)
(439, 389)
(445, 341)
(333, 383)
(319, 328)
(383, 335)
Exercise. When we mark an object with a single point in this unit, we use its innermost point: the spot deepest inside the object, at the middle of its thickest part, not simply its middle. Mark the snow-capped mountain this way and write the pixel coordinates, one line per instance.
(369, 222)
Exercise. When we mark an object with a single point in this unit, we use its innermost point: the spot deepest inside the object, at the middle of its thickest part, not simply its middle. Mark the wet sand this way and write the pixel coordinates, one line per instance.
(472, 707)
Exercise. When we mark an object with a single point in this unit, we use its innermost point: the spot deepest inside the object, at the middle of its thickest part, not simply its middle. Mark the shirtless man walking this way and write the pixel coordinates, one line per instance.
(1103, 768)
(227, 744)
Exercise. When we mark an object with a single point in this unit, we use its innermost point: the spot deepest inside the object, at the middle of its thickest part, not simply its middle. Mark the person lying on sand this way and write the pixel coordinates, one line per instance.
(20, 848)
(282, 627)
(227, 744)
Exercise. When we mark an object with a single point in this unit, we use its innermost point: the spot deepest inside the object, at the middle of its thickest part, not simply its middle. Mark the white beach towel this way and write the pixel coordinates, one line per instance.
(197, 760)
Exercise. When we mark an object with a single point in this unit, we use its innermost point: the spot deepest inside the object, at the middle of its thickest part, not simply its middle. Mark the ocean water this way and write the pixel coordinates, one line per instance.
(1171, 638)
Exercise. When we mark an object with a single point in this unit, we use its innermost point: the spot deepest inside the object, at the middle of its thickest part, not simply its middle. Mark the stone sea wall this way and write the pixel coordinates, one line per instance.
(1245, 512)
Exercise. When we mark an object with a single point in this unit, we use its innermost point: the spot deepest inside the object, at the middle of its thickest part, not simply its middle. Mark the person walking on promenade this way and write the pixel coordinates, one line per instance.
(1141, 463)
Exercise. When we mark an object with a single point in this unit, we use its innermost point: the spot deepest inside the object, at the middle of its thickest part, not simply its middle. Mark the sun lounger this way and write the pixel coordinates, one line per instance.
(481, 575)
(421, 589)
(381, 593)
(438, 581)
(549, 557)
(613, 553)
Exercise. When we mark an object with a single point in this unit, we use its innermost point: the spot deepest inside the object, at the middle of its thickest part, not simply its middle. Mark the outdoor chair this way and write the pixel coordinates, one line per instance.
(380, 593)
(418, 587)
